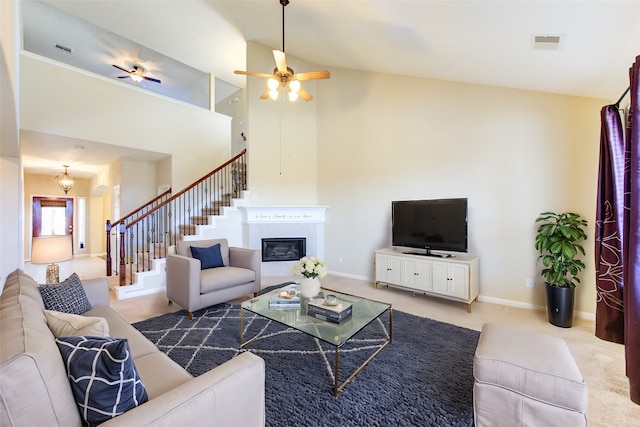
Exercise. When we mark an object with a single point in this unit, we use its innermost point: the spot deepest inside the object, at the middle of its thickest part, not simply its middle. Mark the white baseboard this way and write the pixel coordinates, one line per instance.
(351, 276)
(518, 304)
(492, 300)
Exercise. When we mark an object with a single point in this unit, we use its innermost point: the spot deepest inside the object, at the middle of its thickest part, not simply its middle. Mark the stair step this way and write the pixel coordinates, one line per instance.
(211, 211)
(187, 229)
(200, 220)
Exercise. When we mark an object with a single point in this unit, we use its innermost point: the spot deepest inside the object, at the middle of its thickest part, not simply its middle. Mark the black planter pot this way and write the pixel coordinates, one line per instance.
(560, 305)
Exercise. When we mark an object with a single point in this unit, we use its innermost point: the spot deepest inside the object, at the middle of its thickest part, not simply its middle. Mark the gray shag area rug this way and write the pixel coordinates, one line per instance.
(423, 378)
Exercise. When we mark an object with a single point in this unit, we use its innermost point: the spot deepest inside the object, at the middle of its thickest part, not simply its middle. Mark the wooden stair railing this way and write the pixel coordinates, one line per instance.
(131, 216)
(147, 237)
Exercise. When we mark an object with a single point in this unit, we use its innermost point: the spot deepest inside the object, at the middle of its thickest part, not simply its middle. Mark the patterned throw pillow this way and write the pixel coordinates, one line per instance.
(210, 257)
(68, 296)
(103, 376)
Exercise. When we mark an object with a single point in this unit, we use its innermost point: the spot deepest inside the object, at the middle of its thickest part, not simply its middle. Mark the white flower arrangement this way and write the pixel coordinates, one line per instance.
(310, 267)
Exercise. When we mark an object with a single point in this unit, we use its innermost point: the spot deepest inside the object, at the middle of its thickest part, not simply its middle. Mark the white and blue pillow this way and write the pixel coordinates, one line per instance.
(67, 297)
(103, 376)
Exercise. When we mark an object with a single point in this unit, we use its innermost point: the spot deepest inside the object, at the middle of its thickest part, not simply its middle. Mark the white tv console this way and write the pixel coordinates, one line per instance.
(455, 277)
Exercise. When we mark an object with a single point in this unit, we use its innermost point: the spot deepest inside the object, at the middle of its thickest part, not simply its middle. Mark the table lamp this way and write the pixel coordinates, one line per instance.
(49, 250)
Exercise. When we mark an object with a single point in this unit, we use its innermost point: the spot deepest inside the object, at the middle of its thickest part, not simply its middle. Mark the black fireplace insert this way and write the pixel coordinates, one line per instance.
(284, 249)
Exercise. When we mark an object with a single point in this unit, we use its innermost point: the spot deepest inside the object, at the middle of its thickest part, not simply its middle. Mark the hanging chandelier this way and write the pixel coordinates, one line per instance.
(64, 180)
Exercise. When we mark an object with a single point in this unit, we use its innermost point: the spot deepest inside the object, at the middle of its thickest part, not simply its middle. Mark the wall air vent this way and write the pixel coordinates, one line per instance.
(65, 48)
(547, 41)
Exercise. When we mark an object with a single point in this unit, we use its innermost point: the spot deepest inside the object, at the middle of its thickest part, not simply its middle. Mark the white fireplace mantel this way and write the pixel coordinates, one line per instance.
(260, 222)
(284, 214)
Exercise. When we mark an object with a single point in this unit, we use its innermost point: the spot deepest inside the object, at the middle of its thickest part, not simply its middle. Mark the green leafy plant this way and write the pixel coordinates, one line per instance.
(557, 241)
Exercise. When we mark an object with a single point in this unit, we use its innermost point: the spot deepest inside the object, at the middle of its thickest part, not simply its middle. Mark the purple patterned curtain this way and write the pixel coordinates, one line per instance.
(617, 247)
(631, 244)
(608, 233)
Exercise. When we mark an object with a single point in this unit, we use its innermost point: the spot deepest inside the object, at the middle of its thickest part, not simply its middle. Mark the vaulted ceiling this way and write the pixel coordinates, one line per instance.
(476, 41)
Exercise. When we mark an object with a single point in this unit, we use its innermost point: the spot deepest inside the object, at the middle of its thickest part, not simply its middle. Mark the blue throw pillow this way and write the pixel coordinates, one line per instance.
(103, 376)
(210, 257)
(67, 297)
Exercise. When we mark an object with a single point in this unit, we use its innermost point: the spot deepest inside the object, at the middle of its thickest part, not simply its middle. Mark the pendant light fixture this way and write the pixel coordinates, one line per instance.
(64, 180)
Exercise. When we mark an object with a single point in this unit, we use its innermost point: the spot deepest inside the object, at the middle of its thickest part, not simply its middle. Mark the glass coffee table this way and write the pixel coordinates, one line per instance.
(364, 312)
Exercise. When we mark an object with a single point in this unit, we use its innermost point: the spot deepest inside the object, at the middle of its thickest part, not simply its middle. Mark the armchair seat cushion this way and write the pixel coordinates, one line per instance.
(214, 279)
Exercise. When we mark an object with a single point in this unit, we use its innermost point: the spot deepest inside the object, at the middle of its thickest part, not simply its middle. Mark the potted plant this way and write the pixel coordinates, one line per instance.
(558, 243)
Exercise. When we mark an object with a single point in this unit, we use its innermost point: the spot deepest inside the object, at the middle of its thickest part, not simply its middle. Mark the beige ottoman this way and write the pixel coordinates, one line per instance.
(524, 378)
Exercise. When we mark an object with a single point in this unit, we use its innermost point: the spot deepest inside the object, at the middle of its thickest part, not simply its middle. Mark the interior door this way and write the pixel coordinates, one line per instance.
(52, 216)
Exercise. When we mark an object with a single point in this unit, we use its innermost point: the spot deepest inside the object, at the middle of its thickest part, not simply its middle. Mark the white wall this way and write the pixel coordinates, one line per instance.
(513, 153)
(282, 136)
(66, 101)
(139, 183)
(11, 184)
(235, 106)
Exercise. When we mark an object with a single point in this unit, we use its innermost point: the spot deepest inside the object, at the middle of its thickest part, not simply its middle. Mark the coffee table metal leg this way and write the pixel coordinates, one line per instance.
(241, 319)
(337, 388)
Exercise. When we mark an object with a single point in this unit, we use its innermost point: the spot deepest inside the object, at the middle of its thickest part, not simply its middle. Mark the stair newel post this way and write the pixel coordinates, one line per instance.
(108, 228)
(123, 269)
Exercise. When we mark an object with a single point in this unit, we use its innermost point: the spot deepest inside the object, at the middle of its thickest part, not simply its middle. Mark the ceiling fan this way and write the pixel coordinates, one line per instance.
(136, 74)
(285, 77)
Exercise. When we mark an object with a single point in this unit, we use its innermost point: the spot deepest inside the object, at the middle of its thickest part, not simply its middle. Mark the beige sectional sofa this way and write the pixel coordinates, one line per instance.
(34, 389)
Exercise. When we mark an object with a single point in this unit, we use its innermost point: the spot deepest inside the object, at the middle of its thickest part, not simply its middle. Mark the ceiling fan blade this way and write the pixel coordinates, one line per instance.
(281, 62)
(305, 95)
(123, 77)
(313, 75)
(251, 73)
(120, 68)
(265, 95)
(151, 79)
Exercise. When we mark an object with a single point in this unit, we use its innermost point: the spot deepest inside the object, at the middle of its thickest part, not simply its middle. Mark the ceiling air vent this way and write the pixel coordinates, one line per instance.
(61, 47)
(547, 41)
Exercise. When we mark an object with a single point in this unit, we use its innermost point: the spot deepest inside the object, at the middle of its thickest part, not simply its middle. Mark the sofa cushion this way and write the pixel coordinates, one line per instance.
(172, 376)
(66, 324)
(103, 376)
(20, 283)
(209, 257)
(120, 328)
(31, 367)
(224, 277)
(67, 297)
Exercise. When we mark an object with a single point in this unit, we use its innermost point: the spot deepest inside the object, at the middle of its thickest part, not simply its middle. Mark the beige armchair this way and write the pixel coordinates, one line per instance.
(194, 288)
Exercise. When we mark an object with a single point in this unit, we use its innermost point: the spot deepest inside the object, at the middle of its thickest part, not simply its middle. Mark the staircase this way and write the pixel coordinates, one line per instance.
(142, 239)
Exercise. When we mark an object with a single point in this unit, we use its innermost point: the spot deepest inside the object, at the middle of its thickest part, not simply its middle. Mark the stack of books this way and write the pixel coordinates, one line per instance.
(337, 314)
(286, 298)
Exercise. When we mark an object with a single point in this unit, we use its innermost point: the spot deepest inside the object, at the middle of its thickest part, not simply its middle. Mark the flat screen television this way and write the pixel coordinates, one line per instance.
(439, 224)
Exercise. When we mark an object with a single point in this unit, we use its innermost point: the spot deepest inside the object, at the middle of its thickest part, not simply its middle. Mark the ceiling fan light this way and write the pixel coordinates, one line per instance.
(136, 77)
(272, 83)
(274, 94)
(294, 85)
(293, 96)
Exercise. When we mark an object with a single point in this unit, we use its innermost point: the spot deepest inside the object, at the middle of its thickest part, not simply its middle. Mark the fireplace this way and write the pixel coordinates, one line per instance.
(281, 223)
(284, 249)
